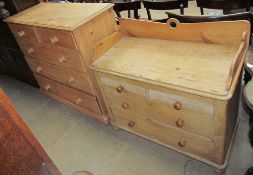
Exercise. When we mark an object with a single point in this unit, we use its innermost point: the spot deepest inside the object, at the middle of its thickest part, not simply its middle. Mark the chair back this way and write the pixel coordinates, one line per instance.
(225, 5)
(164, 5)
(127, 6)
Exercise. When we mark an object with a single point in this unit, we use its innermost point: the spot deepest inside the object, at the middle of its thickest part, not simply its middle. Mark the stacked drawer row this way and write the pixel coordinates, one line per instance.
(54, 58)
(172, 118)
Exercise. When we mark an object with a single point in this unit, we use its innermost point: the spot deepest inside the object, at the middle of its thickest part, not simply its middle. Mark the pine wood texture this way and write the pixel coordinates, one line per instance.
(58, 41)
(177, 86)
(66, 16)
(21, 153)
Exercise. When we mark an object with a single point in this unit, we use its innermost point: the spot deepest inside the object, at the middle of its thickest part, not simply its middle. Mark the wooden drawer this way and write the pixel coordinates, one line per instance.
(24, 33)
(202, 126)
(122, 86)
(127, 101)
(71, 61)
(171, 137)
(182, 102)
(75, 97)
(57, 38)
(76, 80)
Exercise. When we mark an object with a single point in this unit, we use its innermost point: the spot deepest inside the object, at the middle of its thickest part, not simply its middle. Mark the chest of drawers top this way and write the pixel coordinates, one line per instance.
(172, 59)
(64, 16)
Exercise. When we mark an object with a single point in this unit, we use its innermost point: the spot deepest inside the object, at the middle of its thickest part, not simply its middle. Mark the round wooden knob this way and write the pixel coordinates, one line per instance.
(125, 105)
(38, 69)
(30, 50)
(180, 123)
(131, 124)
(78, 101)
(71, 80)
(120, 89)
(182, 143)
(47, 87)
(178, 105)
(62, 59)
(53, 39)
(21, 34)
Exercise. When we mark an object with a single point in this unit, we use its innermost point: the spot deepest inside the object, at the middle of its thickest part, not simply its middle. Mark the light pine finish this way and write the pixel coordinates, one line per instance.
(58, 41)
(178, 87)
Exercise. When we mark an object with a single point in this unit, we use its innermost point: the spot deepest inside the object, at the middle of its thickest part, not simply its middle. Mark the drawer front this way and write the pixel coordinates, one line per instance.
(186, 121)
(179, 140)
(127, 101)
(75, 97)
(71, 61)
(122, 86)
(57, 38)
(24, 33)
(76, 80)
(183, 102)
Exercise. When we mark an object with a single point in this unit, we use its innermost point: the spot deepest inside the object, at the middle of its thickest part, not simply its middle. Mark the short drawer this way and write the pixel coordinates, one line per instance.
(57, 38)
(199, 125)
(173, 138)
(71, 61)
(24, 33)
(127, 101)
(75, 97)
(182, 102)
(70, 78)
(122, 86)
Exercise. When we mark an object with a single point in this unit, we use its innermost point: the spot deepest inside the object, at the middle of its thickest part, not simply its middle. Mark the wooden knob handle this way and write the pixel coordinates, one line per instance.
(125, 105)
(120, 89)
(180, 123)
(21, 33)
(47, 87)
(53, 39)
(71, 80)
(182, 143)
(78, 101)
(131, 124)
(178, 105)
(62, 59)
(30, 50)
(38, 69)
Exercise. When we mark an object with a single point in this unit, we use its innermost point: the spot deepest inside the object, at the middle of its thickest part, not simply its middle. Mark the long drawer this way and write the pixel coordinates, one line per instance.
(75, 97)
(70, 78)
(71, 61)
(178, 139)
(200, 125)
(182, 102)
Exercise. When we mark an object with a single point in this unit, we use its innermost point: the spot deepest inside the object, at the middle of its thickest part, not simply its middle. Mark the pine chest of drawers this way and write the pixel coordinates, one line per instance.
(58, 41)
(177, 86)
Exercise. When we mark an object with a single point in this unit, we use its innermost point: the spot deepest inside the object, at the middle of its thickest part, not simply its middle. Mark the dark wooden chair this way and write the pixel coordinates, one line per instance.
(164, 5)
(122, 5)
(225, 5)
